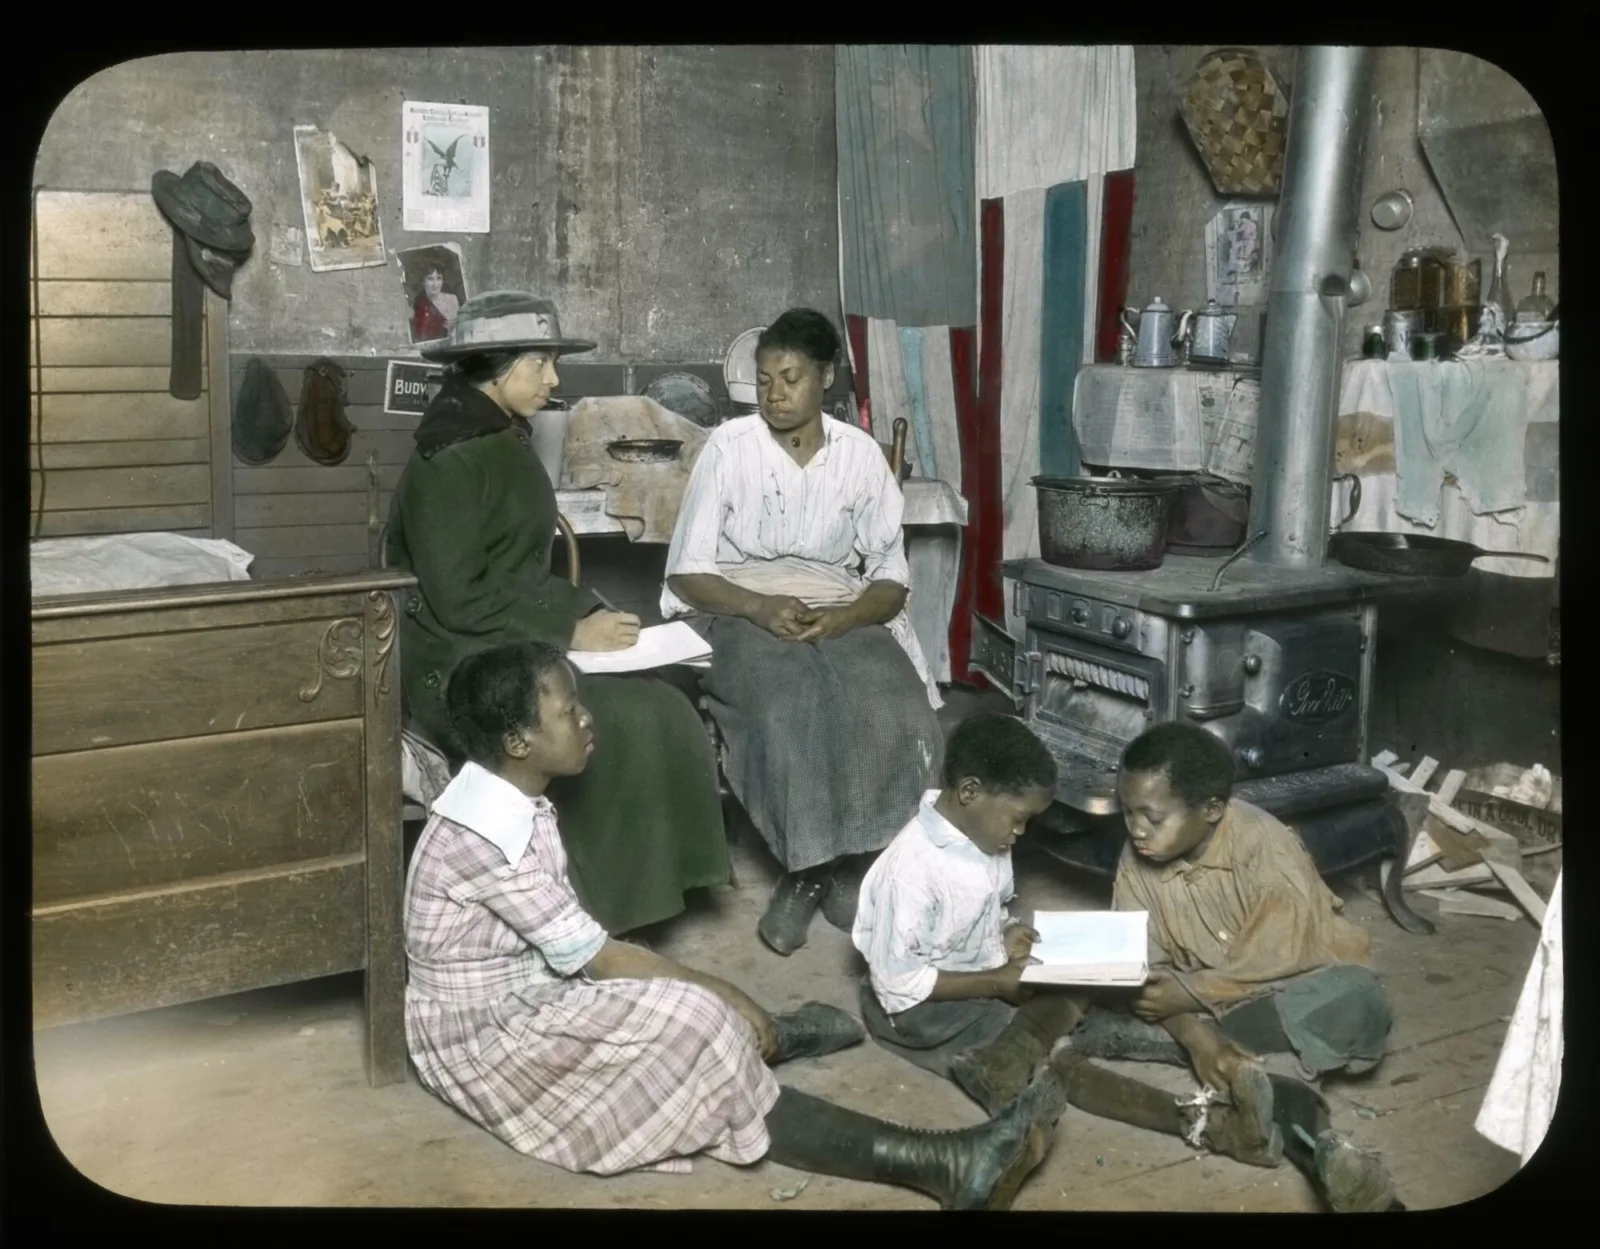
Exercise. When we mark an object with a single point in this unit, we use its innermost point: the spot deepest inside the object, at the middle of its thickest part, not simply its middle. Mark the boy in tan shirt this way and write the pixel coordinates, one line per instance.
(1250, 955)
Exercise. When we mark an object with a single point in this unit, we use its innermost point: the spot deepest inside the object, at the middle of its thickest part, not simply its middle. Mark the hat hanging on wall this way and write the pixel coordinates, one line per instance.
(211, 238)
(1238, 119)
(262, 417)
(321, 427)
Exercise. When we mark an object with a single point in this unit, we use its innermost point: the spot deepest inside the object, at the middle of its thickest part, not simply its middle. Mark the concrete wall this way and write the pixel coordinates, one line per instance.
(1175, 199)
(667, 198)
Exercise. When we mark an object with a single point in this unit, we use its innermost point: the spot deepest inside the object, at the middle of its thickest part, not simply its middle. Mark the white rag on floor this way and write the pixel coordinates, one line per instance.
(1527, 1079)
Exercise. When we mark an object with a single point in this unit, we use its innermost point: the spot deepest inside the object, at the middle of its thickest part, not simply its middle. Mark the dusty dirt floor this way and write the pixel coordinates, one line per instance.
(261, 1100)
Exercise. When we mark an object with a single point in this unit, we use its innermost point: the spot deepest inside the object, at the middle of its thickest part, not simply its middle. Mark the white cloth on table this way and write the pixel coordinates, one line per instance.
(931, 902)
(502, 1024)
(132, 561)
(1522, 1093)
(822, 533)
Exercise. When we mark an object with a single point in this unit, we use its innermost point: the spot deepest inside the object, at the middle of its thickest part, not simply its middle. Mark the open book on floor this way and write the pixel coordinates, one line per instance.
(658, 647)
(1091, 948)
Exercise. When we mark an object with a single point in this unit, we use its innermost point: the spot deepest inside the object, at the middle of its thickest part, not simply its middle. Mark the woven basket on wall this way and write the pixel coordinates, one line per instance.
(1238, 119)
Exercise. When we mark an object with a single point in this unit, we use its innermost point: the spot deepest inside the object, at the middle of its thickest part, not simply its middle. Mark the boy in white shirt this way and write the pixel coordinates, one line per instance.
(945, 959)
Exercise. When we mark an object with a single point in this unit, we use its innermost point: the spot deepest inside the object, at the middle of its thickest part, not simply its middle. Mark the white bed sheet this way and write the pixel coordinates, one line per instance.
(132, 561)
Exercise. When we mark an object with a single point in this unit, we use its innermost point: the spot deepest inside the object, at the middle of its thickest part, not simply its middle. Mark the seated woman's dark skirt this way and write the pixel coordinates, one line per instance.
(830, 744)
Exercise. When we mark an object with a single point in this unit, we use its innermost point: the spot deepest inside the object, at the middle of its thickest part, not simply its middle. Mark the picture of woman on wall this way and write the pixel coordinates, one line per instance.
(435, 290)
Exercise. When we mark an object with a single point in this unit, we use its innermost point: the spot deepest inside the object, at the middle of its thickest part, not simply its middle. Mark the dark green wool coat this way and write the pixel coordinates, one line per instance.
(473, 519)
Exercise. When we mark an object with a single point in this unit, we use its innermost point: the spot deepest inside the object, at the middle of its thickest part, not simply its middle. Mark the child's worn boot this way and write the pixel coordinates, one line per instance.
(814, 1030)
(977, 1168)
(1244, 1128)
(995, 1074)
(1354, 1180)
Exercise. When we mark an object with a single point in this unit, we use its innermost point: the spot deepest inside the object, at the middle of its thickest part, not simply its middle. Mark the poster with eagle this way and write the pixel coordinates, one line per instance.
(446, 164)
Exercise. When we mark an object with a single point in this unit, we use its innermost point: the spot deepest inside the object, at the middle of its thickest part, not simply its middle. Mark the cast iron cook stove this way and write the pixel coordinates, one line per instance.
(1276, 662)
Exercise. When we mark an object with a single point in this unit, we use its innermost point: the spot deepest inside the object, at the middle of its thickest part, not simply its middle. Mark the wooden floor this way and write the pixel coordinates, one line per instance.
(261, 1099)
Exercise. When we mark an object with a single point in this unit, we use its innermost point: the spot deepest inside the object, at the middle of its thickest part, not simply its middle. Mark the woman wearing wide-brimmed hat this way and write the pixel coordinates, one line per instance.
(473, 519)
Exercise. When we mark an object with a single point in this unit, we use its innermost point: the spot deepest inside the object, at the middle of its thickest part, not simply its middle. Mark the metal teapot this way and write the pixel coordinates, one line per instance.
(1210, 334)
(1155, 336)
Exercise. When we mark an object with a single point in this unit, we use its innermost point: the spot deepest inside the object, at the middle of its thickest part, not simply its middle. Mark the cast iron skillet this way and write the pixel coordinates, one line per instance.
(1412, 554)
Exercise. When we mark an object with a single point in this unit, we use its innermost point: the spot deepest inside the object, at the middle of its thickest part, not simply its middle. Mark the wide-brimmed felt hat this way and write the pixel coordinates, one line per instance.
(504, 321)
(205, 206)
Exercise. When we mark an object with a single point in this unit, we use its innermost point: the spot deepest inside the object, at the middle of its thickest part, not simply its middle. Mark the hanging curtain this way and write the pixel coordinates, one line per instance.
(907, 274)
(1054, 159)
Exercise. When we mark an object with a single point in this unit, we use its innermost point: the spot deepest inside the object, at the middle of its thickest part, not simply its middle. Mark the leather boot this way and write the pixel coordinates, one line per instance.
(814, 1030)
(995, 1074)
(840, 899)
(1111, 1095)
(1110, 1034)
(794, 902)
(1351, 1180)
(977, 1168)
(1245, 1130)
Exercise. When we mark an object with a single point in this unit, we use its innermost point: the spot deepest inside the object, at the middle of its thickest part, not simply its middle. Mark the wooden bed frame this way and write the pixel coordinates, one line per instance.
(216, 768)
(216, 798)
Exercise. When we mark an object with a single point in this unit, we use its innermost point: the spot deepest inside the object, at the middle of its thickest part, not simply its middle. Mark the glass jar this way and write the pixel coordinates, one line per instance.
(1538, 306)
(1422, 279)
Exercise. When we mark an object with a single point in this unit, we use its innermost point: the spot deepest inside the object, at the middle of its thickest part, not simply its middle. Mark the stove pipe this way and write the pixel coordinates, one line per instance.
(1316, 229)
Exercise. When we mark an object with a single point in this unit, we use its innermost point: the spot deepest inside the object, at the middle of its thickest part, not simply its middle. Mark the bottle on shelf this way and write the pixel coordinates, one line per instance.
(1538, 306)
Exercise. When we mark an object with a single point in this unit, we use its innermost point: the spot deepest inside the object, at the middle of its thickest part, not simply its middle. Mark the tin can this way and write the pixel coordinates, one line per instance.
(1373, 346)
(1425, 346)
(1125, 348)
(1398, 327)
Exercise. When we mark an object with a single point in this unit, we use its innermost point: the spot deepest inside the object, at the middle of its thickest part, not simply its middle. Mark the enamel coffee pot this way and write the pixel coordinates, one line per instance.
(1211, 333)
(1154, 336)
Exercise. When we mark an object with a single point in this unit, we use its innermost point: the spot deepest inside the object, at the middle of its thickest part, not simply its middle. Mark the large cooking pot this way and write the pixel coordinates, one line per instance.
(1110, 524)
(1412, 554)
(1209, 515)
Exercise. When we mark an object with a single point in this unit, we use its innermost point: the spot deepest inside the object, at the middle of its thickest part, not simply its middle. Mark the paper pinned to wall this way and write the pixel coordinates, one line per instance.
(1239, 254)
(339, 196)
(445, 172)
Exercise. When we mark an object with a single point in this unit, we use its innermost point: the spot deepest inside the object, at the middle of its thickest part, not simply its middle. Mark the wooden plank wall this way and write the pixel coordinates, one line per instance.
(300, 518)
(118, 453)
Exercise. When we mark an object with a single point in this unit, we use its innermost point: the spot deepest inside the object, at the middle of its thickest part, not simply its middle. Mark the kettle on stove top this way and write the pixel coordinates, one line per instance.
(1155, 335)
(1209, 335)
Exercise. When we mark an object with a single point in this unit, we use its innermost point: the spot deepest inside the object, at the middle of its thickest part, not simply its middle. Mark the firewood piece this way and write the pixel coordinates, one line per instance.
(1461, 902)
(1423, 772)
(1519, 889)
(1451, 786)
(1436, 877)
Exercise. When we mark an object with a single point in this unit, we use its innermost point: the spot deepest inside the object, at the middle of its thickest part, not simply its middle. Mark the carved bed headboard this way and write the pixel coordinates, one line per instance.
(111, 451)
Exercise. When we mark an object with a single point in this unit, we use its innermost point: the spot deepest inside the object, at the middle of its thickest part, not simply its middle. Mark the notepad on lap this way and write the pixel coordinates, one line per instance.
(1090, 948)
(658, 646)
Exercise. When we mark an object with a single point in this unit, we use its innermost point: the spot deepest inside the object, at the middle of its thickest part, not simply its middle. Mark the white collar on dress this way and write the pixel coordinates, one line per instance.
(493, 808)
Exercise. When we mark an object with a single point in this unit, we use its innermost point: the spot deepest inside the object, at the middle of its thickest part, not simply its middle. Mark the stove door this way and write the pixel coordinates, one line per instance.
(997, 658)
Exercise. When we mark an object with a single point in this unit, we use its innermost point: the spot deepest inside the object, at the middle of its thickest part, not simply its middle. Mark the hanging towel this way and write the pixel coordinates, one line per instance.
(1467, 420)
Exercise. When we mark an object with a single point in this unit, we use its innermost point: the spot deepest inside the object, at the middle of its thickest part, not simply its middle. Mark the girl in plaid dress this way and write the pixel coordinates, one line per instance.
(600, 1056)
